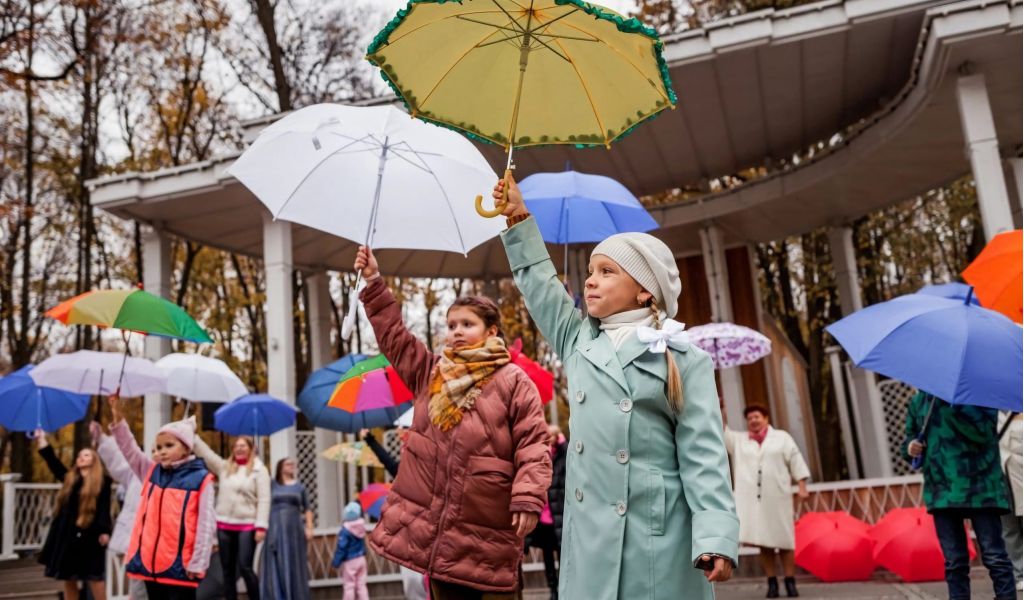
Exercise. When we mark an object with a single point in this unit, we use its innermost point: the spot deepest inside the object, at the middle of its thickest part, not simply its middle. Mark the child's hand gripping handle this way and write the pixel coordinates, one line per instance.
(499, 205)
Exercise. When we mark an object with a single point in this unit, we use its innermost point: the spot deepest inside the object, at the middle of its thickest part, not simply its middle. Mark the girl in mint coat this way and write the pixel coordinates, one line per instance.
(649, 511)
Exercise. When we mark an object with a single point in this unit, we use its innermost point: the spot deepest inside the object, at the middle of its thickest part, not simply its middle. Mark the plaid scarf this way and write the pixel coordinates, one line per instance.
(460, 376)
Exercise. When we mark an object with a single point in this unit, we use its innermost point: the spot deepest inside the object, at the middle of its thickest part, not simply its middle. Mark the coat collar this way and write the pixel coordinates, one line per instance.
(600, 352)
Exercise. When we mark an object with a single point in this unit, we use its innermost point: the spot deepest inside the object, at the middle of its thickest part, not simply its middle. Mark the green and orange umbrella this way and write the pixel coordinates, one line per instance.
(130, 310)
(355, 392)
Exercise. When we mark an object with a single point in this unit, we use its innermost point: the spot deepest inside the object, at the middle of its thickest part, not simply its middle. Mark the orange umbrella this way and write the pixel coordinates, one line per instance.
(996, 275)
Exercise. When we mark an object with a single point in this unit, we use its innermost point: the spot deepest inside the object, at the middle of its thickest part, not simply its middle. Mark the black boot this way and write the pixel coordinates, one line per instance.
(773, 588)
(791, 587)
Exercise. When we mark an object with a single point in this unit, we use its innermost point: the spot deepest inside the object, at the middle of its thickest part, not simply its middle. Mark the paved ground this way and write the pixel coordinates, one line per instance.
(883, 587)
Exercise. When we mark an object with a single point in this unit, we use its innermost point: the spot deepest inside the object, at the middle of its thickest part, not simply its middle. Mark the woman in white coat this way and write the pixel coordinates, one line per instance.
(766, 461)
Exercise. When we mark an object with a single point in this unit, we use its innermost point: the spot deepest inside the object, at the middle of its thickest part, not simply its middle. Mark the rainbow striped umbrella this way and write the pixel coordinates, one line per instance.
(372, 498)
(131, 310)
(353, 393)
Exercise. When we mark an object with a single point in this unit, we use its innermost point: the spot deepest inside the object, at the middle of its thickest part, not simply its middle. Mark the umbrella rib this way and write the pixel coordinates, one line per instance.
(435, 21)
(314, 168)
(452, 68)
(586, 89)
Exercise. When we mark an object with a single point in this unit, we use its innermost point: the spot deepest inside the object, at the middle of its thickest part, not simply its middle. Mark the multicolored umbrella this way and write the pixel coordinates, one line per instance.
(355, 392)
(996, 275)
(372, 498)
(355, 453)
(541, 377)
(834, 546)
(730, 345)
(524, 73)
(131, 310)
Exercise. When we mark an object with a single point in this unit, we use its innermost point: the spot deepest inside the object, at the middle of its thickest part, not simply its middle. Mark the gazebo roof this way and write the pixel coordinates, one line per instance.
(874, 81)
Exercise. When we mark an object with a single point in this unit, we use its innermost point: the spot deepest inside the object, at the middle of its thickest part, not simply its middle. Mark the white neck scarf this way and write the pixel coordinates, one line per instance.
(620, 326)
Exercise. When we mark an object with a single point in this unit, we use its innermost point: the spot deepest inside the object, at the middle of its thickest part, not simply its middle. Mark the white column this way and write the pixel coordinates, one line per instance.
(867, 402)
(328, 480)
(983, 151)
(156, 279)
(717, 273)
(1012, 168)
(277, 260)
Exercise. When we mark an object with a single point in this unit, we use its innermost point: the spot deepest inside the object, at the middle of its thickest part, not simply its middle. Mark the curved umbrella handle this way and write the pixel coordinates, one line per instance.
(499, 205)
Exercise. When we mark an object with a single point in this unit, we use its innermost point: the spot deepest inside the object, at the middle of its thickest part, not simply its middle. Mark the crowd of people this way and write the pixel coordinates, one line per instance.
(638, 502)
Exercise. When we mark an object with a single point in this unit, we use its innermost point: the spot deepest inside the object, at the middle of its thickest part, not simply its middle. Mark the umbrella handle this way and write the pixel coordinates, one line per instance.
(499, 205)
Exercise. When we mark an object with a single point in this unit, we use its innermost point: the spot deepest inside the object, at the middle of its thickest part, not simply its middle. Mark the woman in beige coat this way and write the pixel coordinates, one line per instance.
(766, 461)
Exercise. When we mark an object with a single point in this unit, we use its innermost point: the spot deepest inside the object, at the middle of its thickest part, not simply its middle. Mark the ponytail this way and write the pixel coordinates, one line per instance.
(674, 383)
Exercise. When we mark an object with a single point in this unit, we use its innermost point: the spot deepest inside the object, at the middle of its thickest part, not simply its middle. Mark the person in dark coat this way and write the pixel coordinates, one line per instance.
(548, 534)
(390, 462)
(75, 547)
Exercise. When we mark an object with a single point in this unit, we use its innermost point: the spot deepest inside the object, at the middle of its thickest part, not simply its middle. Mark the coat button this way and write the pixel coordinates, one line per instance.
(622, 456)
(580, 396)
(620, 508)
(579, 446)
(626, 405)
(579, 495)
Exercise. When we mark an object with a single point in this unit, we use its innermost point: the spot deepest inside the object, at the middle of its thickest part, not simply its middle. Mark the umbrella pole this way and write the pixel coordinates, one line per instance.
(124, 361)
(524, 58)
(350, 319)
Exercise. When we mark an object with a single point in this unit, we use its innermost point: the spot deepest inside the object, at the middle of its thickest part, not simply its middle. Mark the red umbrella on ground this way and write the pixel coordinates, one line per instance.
(540, 376)
(833, 546)
(906, 544)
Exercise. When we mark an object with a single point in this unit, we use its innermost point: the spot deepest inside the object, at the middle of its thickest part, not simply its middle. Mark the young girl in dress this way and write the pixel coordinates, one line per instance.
(475, 465)
(649, 512)
(172, 540)
(75, 547)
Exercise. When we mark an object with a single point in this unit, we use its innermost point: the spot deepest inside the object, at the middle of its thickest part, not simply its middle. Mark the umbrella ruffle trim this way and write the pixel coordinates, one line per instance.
(626, 25)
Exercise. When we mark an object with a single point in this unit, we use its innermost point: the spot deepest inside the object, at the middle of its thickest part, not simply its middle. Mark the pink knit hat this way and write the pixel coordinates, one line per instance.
(184, 430)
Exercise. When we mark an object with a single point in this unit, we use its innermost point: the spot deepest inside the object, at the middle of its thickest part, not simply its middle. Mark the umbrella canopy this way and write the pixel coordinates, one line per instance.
(254, 414)
(26, 406)
(372, 498)
(541, 377)
(371, 175)
(131, 310)
(573, 208)
(524, 74)
(730, 345)
(100, 373)
(200, 378)
(958, 352)
(405, 419)
(354, 392)
(355, 453)
(834, 546)
(906, 544)
(953, 291)
(996, 275)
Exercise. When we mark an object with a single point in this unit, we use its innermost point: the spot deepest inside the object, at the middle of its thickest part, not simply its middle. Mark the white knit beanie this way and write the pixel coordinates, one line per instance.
(649, 261)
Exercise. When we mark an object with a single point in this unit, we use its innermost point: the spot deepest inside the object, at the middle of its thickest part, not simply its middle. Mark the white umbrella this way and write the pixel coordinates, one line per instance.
(405, 419)
(198, 378)
(372, 175)
(100, 373)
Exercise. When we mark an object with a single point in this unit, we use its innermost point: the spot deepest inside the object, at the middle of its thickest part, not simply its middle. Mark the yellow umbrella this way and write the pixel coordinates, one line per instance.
(524, 72)
(356, 453)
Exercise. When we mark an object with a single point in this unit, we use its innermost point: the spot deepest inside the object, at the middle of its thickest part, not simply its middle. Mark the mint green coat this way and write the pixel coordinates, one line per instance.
(647, 492)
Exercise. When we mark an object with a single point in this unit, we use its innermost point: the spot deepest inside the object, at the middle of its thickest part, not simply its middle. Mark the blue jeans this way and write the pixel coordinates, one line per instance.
(949, 524)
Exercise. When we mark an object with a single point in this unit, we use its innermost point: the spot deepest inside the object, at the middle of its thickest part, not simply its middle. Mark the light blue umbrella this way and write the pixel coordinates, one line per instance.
(27, 406)
(255, 415)
(952, 349)
(954, 291)
(574, 208)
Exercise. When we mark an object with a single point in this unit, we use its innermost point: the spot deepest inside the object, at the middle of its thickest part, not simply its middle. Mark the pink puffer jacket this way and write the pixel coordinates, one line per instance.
(449, 513)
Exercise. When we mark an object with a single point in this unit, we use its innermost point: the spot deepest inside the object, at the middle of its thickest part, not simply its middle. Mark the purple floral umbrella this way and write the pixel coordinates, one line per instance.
(730, 345)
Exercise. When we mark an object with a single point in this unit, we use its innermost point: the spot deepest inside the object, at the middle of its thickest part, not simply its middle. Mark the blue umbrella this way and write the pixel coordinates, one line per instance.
(254, 414)
(952, 349)
(573, 208)
(26, 406)
(315, 399)
(954, 291)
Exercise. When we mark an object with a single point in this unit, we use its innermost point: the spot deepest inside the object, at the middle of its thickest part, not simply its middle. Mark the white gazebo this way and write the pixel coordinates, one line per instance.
(895, 96)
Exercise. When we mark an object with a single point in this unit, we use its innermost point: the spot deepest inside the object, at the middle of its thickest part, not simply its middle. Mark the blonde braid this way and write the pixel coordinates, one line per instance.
(674, 384)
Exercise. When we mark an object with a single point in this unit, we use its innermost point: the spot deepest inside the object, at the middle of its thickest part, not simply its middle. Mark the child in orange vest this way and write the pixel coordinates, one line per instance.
(172, 540)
